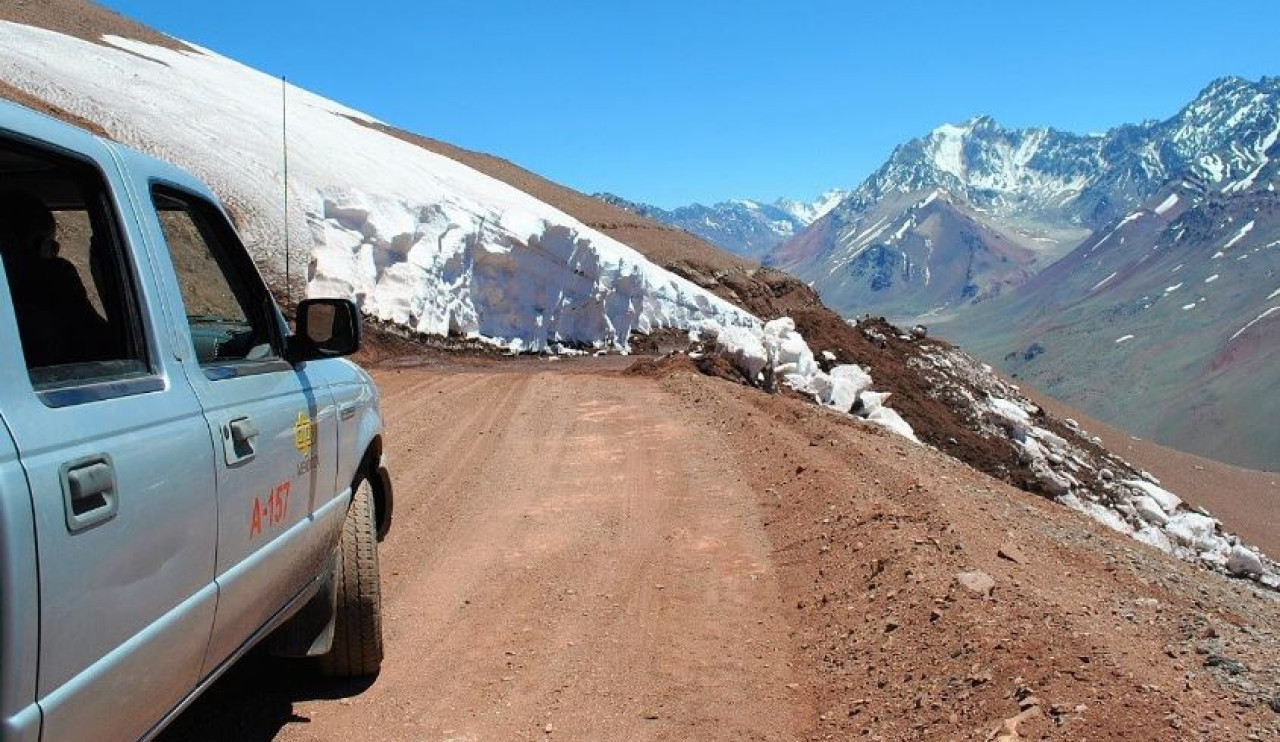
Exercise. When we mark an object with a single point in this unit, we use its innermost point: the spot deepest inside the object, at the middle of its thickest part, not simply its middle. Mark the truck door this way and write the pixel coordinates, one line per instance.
(113, 443)
(19, 582)
(274, 433)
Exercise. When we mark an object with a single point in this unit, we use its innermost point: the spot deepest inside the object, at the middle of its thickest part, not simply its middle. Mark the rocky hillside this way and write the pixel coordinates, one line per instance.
(1163, 322)
(747, 228)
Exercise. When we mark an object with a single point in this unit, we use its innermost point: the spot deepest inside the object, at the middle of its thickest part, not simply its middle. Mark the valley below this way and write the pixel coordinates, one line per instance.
(586, 552)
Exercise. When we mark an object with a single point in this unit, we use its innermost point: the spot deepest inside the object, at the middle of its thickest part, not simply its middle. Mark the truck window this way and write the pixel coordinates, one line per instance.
(72, 295)
(225, 303)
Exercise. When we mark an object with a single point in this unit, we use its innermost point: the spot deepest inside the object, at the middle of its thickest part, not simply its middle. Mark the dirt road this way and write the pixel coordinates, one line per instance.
(584, 554)
(565, 557)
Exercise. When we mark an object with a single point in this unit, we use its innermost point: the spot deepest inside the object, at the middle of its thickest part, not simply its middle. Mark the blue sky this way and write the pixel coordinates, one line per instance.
(673, 102)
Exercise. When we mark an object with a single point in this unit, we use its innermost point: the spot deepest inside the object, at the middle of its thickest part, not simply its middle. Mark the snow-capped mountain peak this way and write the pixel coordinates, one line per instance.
(742, 226)
(807, 213)
(1225, 137)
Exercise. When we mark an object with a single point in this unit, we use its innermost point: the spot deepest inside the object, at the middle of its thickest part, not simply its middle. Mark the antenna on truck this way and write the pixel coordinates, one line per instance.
(284, 139)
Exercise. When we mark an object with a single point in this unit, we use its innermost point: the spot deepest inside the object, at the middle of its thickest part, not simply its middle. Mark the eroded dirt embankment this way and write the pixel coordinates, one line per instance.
(611, 556)
(1105, 637)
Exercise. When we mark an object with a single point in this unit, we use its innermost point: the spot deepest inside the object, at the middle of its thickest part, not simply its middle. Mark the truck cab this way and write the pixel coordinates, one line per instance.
(181, 476)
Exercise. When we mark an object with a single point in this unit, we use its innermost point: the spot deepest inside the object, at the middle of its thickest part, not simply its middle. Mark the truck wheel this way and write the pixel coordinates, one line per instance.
(357, 631)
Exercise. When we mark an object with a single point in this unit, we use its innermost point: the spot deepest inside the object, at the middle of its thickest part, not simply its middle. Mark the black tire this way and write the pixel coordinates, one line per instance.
(357, 631)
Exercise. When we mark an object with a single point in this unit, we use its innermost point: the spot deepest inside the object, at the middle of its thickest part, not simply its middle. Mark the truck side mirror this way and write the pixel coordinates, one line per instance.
(327, 328)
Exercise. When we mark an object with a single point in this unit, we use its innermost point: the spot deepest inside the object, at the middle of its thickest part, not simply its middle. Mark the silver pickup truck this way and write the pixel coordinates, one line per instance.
(181, 477)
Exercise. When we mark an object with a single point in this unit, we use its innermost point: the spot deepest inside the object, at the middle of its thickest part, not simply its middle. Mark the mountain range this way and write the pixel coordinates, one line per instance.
(747, 228)
(1006, 203)
(1040, 248)
(1134, 274)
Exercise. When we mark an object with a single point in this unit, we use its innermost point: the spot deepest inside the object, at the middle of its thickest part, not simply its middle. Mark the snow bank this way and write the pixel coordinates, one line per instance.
(413, 237)
(1084, 478)
(1042, 450)
(744, 347)
(777, 349)
(849, 386)
(1168, 501)
(1137, 507)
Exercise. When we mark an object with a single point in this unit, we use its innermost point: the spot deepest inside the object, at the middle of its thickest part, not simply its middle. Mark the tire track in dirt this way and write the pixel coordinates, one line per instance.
(573, 559)
(434, 471)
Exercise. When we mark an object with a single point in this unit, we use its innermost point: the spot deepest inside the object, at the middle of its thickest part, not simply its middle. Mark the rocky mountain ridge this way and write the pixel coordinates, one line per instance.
(1223, 138)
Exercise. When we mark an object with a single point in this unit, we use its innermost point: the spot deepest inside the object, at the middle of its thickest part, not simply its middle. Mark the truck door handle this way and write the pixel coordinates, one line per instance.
(238, 440)
(89, 492)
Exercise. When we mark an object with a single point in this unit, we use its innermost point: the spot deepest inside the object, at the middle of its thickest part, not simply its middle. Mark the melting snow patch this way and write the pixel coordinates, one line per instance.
(1243, 561)
(1105, 516)
(1255, 321)
(1126, 220)
(1103, 282)
(907, 224)
(1167, 204)
(1213, 167)
(1245, 230)
(1157, 517)
(1168, 501)
(744, 347)
(873, 232)
(1009, 411)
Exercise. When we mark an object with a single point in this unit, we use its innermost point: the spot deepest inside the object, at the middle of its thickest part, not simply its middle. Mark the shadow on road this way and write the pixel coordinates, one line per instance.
(255, 699)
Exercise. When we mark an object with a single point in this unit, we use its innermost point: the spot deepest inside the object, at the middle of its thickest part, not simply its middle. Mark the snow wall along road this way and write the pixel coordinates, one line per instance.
(412, 236)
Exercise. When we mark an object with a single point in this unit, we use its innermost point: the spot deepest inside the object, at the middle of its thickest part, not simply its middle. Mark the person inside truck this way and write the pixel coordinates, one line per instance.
(56, 321)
